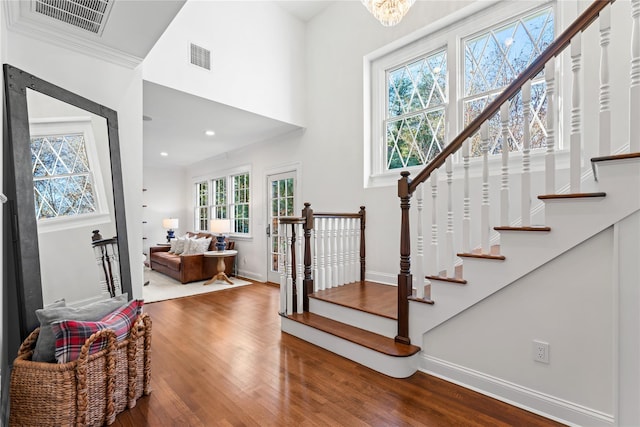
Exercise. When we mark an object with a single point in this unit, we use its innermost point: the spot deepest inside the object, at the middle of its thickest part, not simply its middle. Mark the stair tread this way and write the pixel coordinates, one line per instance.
(571, 196)
(448, 279)
(369, 297)
(355, 335)
(485, 256)
(615, 157)
(530, 228)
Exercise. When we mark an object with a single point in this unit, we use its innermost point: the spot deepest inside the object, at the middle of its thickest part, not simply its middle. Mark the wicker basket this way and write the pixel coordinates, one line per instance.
(91, 390)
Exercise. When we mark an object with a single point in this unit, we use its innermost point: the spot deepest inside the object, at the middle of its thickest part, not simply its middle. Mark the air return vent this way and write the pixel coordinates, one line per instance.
(200, 56)
(89, 15)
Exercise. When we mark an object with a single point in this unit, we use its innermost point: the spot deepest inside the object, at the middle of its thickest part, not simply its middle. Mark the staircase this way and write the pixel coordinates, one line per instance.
(438, 281)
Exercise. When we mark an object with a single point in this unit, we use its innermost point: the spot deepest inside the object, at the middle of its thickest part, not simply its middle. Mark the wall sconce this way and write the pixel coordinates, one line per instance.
(220, 227)
(170, 224)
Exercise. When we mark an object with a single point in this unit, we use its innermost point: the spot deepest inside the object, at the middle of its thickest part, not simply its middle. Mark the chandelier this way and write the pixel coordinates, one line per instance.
(388, 12)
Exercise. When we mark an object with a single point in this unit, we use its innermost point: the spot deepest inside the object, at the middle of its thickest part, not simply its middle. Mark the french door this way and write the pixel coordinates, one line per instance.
(282, 202)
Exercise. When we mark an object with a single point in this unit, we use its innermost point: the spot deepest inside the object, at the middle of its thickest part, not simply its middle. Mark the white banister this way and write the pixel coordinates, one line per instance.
(450, 254)
(484, 213)
(288, 271)
(355, 224)
(328, 246)
(605, 89)
(550, 155)
(433, 254)
(634, 90)
(320, 227)
(341, 249)
(419, 278)
(504, 187)
(466, 215)
(525, 197)
(316, 249)
(576, 116)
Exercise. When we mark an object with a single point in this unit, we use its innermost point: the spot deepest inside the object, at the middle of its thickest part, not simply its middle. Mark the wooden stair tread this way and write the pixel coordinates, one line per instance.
(422, 300)
(355, 335)
(448, 279)
(494, 253)
(531, 228)
(615, 157)
(369, 297)
(571, 196)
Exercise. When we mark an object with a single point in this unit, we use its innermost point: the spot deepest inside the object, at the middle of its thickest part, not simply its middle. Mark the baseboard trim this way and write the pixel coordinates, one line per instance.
(384, 278)
(522, 397)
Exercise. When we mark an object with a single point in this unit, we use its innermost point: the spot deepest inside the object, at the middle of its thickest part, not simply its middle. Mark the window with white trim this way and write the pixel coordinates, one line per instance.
(66, 173)
(225, 197)
(426, 92)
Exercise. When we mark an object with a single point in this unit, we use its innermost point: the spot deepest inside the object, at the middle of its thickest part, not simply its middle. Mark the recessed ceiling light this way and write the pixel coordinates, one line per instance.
(209, 132)
(164, 154)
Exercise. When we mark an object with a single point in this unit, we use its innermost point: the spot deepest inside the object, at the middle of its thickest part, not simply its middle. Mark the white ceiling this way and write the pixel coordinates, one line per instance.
(179, 121)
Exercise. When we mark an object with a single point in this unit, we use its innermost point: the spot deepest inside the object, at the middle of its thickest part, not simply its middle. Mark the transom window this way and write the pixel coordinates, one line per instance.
(215, 201)
(426, 92)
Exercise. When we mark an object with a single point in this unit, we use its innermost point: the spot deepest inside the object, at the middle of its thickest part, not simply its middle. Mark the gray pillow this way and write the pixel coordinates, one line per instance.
(45, 348)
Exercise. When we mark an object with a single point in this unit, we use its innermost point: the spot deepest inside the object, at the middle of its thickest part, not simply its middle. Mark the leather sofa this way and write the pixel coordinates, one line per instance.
(189, 268)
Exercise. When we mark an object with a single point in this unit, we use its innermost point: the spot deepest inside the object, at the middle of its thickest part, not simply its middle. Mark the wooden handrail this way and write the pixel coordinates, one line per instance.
(553, 50)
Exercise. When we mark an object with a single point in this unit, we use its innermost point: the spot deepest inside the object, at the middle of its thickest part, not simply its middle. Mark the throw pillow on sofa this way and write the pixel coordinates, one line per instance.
(180, 245)
(72, 334)
(197, 246)
(46, 343)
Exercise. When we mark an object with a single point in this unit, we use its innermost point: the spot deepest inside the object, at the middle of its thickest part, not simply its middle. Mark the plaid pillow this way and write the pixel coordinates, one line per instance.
(72, 334)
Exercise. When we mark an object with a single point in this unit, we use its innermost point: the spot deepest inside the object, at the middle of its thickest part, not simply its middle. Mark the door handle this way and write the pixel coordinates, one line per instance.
(268, 230)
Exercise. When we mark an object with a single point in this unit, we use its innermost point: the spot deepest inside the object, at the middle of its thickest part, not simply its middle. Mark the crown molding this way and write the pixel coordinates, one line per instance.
(61, 35)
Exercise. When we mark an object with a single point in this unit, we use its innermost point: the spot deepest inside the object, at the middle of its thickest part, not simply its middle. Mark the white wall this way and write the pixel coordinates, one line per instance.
(114, 86)
(256, 57)
(164, 198)
(567, 303)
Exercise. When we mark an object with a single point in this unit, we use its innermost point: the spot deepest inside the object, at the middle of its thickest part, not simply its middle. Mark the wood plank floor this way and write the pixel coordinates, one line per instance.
(220, 359)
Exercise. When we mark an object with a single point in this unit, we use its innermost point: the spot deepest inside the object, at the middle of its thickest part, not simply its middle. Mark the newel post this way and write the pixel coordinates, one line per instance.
(405, 285)
(307, 214)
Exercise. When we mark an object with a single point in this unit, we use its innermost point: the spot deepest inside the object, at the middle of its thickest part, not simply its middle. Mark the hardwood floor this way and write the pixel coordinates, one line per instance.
(220, 359)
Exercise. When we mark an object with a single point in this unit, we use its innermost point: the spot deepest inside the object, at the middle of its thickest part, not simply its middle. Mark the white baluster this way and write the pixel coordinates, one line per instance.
(335, 273)
(466, 215)
(340, 241)
(354, 254)
(418, 269)
(634, 102)
(299, 247)
(281, 268)
(525, 200)
(504, 188)
(576, 113)
(326, 244)
(550, 156)
(605, 92)
(314, 260)
(288, 270)
(433, 255)
(450, 255)
(484, 213)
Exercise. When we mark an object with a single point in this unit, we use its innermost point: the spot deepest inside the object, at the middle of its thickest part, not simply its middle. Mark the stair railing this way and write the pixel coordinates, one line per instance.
(332, 253)
(545, 62)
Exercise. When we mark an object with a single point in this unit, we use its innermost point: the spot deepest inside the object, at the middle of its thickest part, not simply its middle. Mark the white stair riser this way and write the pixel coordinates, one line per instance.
(396, 367)
(370, 322)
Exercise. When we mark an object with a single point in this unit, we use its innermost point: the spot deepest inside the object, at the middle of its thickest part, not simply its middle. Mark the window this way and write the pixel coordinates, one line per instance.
(67, 180)
(225, 197)
(62, 178)
(202, 205)
(425, 93)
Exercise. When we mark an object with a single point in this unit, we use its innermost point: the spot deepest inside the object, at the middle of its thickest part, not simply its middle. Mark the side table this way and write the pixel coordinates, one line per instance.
(220, 275)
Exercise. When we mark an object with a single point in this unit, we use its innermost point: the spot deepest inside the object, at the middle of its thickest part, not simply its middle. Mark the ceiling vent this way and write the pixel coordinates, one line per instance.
(200, 56)
(89, 15)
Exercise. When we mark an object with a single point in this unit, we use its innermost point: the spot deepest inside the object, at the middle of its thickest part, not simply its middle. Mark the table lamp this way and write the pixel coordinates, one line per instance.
(219, 227)
(170, 224)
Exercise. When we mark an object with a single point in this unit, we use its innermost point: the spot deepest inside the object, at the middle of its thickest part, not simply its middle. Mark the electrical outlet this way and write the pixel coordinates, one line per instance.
(540, 351)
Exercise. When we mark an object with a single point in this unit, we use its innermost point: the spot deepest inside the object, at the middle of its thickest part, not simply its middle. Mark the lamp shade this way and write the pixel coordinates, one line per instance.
(170, 223)
(220, 226)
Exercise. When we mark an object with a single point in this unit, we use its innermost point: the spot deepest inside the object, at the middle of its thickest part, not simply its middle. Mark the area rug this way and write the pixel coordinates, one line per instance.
(162, 287)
